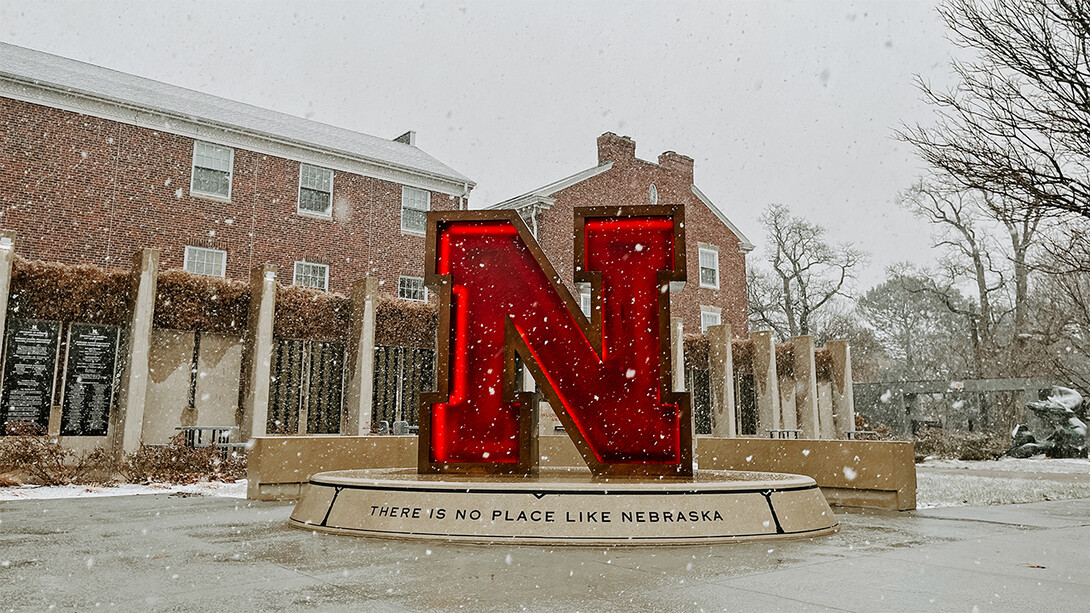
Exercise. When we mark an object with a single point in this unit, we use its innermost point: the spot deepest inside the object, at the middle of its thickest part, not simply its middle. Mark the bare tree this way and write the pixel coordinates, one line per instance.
(968, 223)
(1061, 329)
(806, 273)
(1018, 123)
(924, 332)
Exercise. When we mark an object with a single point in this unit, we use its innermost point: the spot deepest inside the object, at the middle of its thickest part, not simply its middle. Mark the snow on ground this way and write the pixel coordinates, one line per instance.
(949, 490)
(951, 483)
(1025, 465)
(44, 492)
(940, 483)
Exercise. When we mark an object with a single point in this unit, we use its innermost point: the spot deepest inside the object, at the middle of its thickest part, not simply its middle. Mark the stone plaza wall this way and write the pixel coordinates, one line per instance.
(124, 358)
(188, 350)
(874, 474)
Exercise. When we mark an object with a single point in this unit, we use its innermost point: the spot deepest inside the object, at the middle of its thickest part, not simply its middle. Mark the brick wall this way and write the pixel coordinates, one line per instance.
(628, 183)
(80, 189)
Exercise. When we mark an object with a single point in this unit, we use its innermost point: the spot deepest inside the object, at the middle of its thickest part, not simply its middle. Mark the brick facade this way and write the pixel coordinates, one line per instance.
(628, 182)
(82, 189)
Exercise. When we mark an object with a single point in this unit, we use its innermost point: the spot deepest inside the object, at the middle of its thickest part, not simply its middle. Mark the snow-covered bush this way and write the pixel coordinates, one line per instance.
(63, 292)
(177, 462)
(971, 446)
(185, 301)
(30, 456)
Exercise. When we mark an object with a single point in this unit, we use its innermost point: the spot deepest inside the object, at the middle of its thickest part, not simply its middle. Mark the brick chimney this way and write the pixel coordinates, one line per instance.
(680, 164)
(613, 148)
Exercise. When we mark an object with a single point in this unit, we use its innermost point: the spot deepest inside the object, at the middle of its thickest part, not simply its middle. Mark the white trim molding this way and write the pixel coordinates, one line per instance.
(542, 194)
(744, 244)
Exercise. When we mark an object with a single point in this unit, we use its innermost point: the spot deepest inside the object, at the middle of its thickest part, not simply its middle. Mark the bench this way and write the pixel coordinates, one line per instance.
(207, 436)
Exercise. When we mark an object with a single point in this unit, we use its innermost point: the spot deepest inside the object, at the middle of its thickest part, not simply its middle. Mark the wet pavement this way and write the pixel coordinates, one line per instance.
(197, 553)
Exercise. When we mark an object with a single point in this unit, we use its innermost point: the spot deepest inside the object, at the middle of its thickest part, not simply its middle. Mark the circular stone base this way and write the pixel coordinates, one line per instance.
(561, 506)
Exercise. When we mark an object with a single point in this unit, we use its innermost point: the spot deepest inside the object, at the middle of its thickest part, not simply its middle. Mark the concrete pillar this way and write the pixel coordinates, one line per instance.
(788, 413)
(127, 419)
(7, 263)
(765, 382)
(359, 393)
(721, 381)
(843, 394)
(259, 350)
(827, 429)
(806, 397)
(677, 353)
(677, 357)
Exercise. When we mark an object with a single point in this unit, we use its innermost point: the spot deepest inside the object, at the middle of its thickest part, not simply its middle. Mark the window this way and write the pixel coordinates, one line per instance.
(412, 288)
(709, 316)
(315, 190)
(414, 209)
(709, 266)
(212, 170)
(653, 194)
(584, 300)
(204, 261)
(309, 274)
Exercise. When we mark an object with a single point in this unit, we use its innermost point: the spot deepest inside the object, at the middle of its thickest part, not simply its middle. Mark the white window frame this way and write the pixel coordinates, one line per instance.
(303, 263)
(707, 311)
(230, 172)
(653, 194)
(421, 280)
(405, 191)
(712, 251)
(299, 199)
(191, 250)
(585, 299)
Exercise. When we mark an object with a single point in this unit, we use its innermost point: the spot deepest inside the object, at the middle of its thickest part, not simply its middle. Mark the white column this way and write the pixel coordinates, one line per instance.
(806, 398)
(259, 349)
(677, 353)
(843, 398)
(361, 351)
(765, 382)
(721, 381)
(127, 420)
(7, 263)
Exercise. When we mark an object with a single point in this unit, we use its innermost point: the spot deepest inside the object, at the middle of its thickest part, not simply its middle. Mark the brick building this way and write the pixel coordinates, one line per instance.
(716, 260)
(96, 164)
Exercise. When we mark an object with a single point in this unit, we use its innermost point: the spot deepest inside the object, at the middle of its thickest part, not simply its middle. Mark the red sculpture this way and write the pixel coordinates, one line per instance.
(608, 378)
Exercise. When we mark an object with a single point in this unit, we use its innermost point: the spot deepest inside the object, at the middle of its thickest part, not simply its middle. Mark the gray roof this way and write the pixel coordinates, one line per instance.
(79, 78)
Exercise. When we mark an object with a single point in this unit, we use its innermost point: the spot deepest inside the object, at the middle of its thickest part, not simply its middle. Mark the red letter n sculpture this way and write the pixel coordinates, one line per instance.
(608, 378)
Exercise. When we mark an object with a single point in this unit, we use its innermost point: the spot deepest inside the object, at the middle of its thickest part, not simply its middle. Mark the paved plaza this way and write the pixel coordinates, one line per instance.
(186, 552)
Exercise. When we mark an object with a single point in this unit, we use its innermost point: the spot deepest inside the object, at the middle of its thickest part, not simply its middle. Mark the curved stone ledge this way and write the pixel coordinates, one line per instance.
(564, 507)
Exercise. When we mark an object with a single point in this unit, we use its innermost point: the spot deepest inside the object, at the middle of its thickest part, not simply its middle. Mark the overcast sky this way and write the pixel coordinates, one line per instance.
(789, 102)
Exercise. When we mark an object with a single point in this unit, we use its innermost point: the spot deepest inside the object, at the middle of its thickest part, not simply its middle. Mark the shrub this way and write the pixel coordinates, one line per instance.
(696, 351)
(405, 323)
(63, 292)
(185, 301)
(882, 432)
(970, 446)
(178, 463)
(304, 312)
(43, 461)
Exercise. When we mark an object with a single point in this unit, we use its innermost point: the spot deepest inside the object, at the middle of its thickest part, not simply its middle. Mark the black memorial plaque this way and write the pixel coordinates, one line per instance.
(30, 364)
(89, 379)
